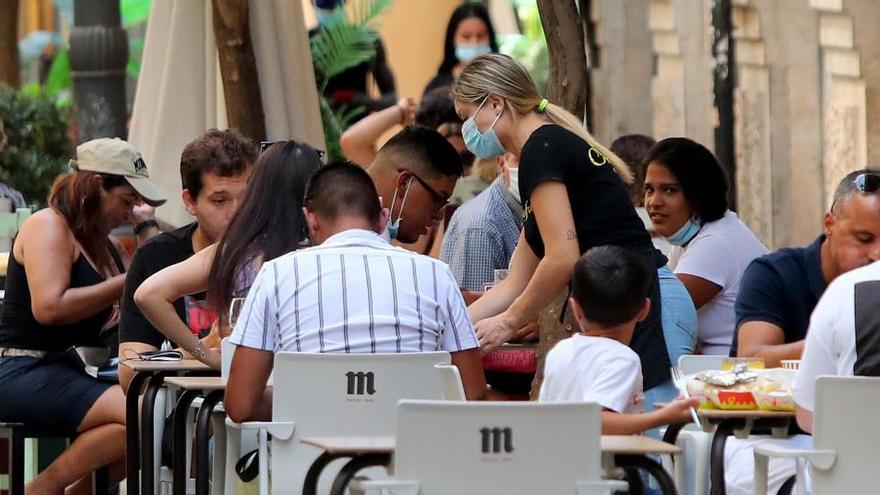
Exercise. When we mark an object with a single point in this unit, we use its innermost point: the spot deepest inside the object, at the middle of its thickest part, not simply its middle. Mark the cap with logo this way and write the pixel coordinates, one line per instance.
(117, 157)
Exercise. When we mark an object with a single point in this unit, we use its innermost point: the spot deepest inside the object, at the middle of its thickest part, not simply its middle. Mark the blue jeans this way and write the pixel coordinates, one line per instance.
(679, 320)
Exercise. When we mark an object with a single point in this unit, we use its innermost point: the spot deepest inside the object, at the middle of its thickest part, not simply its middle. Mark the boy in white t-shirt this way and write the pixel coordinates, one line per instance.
(609, 296)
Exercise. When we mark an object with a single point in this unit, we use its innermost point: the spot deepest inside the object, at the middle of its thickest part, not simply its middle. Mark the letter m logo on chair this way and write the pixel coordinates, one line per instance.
(495, 438)
(360, 383)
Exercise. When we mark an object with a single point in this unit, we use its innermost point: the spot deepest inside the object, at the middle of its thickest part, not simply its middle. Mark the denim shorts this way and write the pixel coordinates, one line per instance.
(678, 316)
(48, 393)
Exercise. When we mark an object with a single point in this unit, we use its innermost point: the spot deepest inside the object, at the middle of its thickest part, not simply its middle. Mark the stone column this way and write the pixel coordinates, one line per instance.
(622, 76)
(98, 56)
(844, 133)
(751, 112)
(681, 89)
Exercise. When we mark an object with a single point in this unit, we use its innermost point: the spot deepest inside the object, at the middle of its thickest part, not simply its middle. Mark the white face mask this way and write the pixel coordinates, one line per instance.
(513, 183)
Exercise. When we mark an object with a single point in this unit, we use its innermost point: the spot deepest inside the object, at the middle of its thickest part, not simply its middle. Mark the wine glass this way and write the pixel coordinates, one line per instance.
(234, 310)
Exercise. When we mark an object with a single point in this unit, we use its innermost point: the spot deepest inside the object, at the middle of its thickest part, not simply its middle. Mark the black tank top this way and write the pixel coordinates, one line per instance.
(20, 330)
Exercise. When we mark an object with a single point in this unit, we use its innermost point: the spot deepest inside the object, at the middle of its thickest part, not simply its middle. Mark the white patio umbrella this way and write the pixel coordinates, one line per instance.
(180, 92)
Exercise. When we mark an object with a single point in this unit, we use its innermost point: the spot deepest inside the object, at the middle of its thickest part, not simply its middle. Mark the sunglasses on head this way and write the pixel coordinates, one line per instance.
(867, 183)
(264, 145)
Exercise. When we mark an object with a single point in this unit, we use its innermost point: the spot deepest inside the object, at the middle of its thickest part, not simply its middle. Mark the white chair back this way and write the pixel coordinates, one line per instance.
(344, 395)
(497, 447)
(227, 348)
(691, 364)
(845, 421)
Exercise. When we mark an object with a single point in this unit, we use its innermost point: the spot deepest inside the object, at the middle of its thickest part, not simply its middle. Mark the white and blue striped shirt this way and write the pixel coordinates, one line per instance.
(354, 294)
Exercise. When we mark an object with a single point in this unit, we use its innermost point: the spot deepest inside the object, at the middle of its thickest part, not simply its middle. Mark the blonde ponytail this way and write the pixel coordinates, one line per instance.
(501, 75)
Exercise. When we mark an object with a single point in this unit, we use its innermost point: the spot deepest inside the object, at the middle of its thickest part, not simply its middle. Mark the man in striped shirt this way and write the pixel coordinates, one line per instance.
(353, 293)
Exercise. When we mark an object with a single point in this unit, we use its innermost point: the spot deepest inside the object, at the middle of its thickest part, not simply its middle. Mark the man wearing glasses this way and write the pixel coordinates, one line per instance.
(415, 173)
(780, 290)
(778, 295)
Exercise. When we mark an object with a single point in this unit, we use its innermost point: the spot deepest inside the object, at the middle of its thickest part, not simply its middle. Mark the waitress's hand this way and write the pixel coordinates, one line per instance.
(494, 331)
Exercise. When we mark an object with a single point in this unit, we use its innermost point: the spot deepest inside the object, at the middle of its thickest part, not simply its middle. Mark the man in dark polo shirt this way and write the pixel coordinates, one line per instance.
(779, 291)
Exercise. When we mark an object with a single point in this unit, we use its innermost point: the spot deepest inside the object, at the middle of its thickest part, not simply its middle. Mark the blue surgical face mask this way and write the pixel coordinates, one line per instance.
(481, 144)
(394, 225)
(684, 235)
(464, 53)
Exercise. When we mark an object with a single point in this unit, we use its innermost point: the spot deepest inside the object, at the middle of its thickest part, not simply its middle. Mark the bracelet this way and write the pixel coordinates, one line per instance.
(145, 225)
(199, 352)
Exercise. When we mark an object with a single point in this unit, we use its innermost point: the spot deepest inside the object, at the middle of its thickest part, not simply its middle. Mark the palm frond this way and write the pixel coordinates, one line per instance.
(367, 11)
(337, 47)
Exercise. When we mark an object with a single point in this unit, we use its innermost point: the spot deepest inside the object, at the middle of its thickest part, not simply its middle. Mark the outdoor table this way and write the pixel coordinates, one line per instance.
(626, 452)
(139, 448)
(731, 422)
(212, 389)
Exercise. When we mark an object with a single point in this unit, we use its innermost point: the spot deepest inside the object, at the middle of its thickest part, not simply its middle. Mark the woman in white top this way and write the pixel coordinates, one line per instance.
(686, 197)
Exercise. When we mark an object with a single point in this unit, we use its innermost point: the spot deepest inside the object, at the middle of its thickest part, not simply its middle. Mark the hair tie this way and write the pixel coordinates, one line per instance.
(543, 105)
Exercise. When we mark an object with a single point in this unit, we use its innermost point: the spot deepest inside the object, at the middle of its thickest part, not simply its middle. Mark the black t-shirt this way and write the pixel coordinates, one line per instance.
(781, 288)
(603, 215)
(19, 328)
(160, 252)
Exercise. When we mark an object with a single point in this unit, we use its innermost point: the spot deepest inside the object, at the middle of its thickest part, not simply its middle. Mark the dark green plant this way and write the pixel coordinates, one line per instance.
(347, 41)
(37, 144)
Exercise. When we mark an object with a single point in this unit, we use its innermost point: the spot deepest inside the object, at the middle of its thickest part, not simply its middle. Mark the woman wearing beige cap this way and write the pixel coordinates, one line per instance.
(63, 282)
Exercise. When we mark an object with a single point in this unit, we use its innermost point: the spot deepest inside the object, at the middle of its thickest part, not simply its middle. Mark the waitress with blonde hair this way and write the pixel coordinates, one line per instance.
(574, 198)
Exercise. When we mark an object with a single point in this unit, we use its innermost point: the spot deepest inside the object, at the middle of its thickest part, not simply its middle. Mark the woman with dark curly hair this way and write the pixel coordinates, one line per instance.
(686, 197)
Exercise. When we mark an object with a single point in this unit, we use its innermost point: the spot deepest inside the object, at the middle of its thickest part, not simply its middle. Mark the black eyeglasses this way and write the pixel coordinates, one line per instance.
(440, 200)
(264, 145)
(867, 183)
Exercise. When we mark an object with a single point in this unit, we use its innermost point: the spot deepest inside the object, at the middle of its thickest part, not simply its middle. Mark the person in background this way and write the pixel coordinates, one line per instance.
(63, 283)
(574, 198)
(469, 34)
(686, 197)
(609, 296)
(268, 224)
(359, 142)
(483, 233)
(632, 149)
(349, 89)
(214, 171)
(779, 291)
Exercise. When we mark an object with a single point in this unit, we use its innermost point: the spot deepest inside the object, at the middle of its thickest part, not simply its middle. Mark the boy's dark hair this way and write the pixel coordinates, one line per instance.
(225, 153)
(703, 181)
(632, 149)
(342, 188)
(421, 150)
(611, 284)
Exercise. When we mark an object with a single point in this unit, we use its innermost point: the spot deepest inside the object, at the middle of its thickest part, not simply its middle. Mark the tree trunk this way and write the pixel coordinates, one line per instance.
(238, 68)
(568, 82)
(10, 71)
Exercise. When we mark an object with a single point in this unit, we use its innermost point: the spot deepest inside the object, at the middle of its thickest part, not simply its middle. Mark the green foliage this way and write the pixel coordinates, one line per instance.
(530, 47)
(345, 42)
(37, 144)
(134, 12)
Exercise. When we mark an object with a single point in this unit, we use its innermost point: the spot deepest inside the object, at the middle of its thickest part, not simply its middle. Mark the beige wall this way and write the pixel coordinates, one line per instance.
(413, 32)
